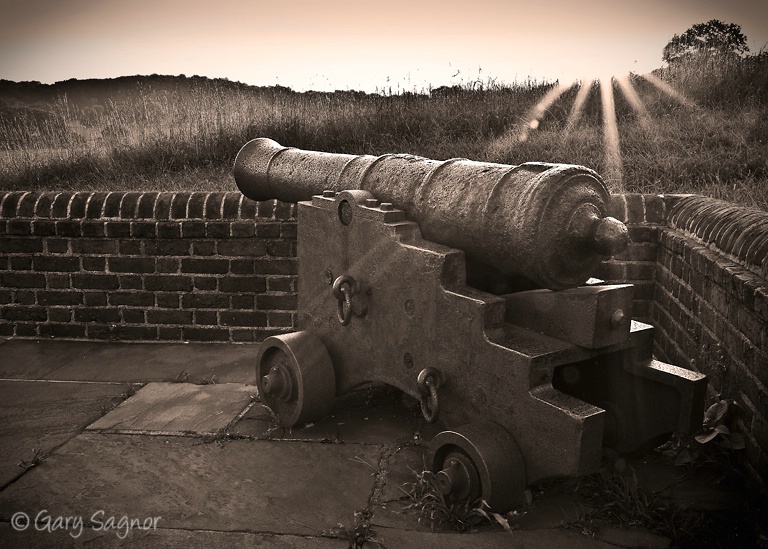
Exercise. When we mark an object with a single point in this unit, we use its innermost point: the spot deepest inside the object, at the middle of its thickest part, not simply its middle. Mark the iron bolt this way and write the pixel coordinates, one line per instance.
(371, 202)
(386, 206)
(450, 478)
(275, 382)
(618, 318)
(329, 194)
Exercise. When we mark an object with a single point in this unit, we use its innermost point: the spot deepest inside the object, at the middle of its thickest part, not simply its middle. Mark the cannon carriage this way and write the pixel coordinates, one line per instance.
(530, 369)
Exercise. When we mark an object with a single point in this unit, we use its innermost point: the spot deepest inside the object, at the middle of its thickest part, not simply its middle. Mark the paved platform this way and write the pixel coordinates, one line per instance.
(168, 445)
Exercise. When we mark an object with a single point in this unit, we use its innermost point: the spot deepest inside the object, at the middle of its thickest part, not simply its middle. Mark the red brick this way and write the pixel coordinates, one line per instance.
(254, 248)
(22, 280)
(15, 313)
(96, 264)
(168, 283)
(130, 247)
(21, 245)
(43, 227)
(92, 228)
(243, 229)
(205, 283)
(193, 229)
(237, 284)
(160, 316)
(74, 331)
(166, 247)
(169, 229)
(133, 316)
(231, 208)
(131, 264)
(97, 314)
(205, 334)
(280, 320)
(60, 314)
(20, 263)
(169, 333)
(217, 229)
(277, 266)
(204, 266)
(59, 298)
(206, 317)
(280, 283)
(281, 302)
(240, 301)
(242, 318)
(617, 207)
(18, 227)
(204, 247)
(214, 204)
(135, 299)
(95, 299)
(279, 248)
(95, 281)
(118, 229)
(288, 230)
(168, 300)
(57, 246)
(167, 265)
(142, 333)
(205, 301)
(131, 282)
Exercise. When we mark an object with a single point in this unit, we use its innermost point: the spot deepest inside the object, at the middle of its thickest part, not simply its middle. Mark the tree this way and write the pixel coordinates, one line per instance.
(713, 37)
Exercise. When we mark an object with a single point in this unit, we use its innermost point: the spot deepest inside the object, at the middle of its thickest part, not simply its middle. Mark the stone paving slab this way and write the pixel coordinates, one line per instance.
(35, 359)
(40, 415)
(239, 485)
(373, 415)
(179, 408)
(128, 362)
(97, 537)
(517, 539)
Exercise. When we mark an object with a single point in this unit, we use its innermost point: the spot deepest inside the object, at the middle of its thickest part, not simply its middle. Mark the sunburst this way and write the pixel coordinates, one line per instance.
(612, 160)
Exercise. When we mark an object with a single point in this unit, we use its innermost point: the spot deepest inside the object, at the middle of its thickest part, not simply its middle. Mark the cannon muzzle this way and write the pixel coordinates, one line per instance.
(545, 222)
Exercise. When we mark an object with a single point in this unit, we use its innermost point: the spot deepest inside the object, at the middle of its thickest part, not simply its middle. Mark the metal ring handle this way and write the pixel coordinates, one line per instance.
(430, 406)
(344, 287)
(427, 384)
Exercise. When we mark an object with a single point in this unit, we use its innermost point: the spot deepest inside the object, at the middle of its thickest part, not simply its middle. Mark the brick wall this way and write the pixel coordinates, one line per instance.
(711, 306)
(703, 264)
(146, 266)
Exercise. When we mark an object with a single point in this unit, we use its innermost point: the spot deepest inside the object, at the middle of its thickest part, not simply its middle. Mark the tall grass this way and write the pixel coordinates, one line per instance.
(714, 142)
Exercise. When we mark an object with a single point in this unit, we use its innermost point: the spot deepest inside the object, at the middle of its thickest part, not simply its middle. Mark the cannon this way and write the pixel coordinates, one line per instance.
(525, 379)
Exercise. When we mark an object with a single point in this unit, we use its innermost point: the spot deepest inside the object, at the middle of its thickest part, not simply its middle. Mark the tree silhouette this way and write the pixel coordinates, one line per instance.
(713, 37)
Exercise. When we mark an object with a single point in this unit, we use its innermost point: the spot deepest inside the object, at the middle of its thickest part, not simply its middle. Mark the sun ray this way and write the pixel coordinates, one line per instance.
(578, 106)
(613, 167)
(634, 100)
(537, 112)
(669, 90)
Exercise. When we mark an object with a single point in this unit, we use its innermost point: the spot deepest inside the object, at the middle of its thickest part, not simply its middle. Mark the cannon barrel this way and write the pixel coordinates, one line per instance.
(545, 222)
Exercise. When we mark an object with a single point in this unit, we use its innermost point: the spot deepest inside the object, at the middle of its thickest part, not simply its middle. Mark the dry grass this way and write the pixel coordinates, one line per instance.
(714, 143)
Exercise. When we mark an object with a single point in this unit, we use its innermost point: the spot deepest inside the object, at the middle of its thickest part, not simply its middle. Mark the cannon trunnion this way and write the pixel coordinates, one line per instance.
(526, 385)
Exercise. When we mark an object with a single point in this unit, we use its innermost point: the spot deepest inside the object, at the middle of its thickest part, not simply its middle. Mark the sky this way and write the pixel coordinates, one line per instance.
(368, 45)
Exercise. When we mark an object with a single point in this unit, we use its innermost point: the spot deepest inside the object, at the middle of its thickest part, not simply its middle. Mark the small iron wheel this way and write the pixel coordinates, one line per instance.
(296, 378)
(478, 461)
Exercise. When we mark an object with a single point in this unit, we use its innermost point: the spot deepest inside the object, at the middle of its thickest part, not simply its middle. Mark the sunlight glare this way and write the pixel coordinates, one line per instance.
(634, 100)
(578, 105)
(669, 90)
(613, 166)
(537, 113)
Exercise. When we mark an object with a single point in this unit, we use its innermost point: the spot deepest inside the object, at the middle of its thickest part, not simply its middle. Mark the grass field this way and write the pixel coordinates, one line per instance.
(703, 130)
